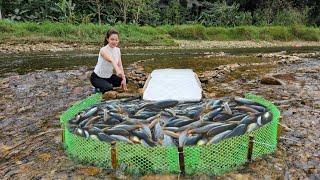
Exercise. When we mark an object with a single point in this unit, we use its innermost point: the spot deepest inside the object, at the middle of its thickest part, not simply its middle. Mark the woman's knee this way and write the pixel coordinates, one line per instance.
(106, 87)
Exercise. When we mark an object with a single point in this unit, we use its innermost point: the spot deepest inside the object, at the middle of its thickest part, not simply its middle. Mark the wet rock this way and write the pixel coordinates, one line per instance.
(110, 95)
(141, 84)
(269, 80)
(204, 79)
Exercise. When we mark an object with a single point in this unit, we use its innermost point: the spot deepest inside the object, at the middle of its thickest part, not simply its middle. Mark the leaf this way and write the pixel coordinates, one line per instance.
(4, 149)
(45, 156)
(89, 171)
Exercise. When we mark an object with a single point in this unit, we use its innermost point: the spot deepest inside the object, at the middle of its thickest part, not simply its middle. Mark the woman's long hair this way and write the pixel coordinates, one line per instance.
(108, 34)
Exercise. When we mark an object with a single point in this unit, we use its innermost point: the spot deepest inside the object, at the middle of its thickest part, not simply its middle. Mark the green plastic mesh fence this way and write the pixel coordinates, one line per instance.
(211, 159)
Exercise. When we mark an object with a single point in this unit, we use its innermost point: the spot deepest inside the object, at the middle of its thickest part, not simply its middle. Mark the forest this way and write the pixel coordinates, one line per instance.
(227, 13)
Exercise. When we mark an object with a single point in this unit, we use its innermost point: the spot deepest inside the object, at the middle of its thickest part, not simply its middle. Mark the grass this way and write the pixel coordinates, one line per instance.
(132, 34)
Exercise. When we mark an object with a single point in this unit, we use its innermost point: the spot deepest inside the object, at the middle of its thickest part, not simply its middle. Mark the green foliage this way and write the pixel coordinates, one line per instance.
(289, 17)
(280, 33)
(188, 32)
(220, 14)
(159, 12)
(217, 33)
(302, 32)
(134, 34)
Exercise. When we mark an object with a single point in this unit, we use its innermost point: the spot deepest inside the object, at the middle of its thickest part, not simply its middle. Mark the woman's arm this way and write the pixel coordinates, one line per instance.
(123, 82)
(120, 64)
(107, 57)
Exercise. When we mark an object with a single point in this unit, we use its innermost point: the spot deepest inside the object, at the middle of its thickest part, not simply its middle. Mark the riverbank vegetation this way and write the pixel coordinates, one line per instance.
(158, 22)
(132, 34)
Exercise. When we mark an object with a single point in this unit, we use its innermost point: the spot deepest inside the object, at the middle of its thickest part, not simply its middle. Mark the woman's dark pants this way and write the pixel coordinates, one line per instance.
(105, 84)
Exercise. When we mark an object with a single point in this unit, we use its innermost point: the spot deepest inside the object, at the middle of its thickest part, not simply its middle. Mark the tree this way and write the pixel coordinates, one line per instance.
(123, 8)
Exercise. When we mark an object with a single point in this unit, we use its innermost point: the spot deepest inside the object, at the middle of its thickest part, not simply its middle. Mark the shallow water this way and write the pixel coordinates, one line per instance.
(23, 63)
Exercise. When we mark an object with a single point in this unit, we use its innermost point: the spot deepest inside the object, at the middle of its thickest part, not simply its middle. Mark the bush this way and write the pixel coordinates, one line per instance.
(303, 33)
(242, 33)
(6, 26)
(244, 18)
(217, 33)
(188, 32)
(289, 17)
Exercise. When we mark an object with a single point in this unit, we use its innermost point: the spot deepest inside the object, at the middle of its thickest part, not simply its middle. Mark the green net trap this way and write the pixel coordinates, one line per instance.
(212, 159)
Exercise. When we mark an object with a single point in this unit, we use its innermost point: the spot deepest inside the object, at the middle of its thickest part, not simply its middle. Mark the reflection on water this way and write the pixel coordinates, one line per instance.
(179, 58)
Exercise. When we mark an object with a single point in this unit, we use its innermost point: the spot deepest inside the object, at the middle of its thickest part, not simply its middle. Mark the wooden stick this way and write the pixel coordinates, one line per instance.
(114, 160)
(250, 148)
(181, 161)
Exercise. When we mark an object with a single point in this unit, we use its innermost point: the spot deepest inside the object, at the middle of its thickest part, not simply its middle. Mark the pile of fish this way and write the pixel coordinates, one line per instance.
(168, 123)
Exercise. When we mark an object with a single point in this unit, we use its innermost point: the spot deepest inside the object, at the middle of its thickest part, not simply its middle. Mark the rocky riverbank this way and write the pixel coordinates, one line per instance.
(15, 47)
(31, 104)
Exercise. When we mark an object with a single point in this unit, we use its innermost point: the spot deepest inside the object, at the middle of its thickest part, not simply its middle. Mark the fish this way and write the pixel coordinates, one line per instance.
(217, 138)
(202, 142)
(248, 120)
(226, 108)
(246, 109)
(167, 140)
(213, 104)
(146, 130)
(219, 129)
(135, 139)
(244, 101)
(266, 117)
(191, 125)
(94, 131)
(169, 123)
(94, 137)
(258, 108)
(193, 140)
(158, 132)
(127, 127)
(239, 130)
(182, 138)
(116, 131)
(105, 137)
(172, 134)
(211, 115)
(205, 128)
(91, 120)
(236, 117)
(121, 138)
(159, 105)
(252, 127)
(91, 112)
(118, 116)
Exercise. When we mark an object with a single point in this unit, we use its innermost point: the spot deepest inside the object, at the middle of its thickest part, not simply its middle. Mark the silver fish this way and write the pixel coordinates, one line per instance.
(192, 140)
(121, 138)
(182, 138)
(167, 140)
(227, 108)
(91, 112)
(239, 130)
(252, 127)
(217, 138)
(219, 129)
(158, 133)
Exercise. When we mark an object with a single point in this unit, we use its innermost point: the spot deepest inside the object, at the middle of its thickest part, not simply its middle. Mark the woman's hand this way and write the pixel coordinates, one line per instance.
(124, 83)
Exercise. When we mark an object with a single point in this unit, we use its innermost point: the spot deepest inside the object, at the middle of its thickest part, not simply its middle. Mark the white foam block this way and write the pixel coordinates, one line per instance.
(173, 84)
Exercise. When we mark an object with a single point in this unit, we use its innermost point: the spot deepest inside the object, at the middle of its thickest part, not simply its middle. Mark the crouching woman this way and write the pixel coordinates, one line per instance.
(102, 77)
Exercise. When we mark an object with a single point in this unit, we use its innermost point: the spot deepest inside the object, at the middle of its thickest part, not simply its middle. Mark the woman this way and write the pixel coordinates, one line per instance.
(109, 58)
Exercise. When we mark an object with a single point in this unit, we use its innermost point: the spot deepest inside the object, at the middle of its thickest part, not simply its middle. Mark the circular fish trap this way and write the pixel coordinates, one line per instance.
(213, 159)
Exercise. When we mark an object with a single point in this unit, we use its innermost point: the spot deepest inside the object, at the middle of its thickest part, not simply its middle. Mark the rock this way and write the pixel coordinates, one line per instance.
(204, 80)
(110, 95)
(77, 90)
(269, 80)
